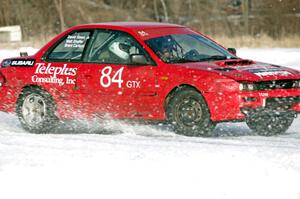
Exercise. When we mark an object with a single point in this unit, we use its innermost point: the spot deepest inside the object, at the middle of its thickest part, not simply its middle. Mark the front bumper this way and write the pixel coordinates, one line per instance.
(234, 105)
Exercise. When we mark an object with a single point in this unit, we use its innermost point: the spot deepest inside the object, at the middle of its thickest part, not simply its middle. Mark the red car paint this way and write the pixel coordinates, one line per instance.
(82, 89)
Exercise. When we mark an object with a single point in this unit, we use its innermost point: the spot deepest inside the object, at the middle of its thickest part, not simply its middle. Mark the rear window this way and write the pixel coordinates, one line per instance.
(71, 48)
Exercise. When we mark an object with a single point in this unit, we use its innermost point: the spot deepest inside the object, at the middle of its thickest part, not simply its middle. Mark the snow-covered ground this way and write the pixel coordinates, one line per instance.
(5, 53)
(279, 56)
(143, 161)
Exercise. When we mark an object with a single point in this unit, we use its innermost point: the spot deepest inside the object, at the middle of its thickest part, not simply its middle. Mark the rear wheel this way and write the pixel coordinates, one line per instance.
(36, 110)
(187, 112)
(270, 122)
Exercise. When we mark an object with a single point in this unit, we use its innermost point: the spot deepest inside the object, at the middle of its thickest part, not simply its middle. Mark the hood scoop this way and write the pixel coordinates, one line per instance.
(239, 62)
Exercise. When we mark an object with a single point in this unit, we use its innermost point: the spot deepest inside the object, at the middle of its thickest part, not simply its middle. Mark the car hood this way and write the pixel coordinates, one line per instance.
(246, 70)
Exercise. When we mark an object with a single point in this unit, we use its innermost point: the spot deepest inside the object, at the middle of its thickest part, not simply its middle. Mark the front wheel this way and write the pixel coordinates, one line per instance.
(36, 110)
(187, 112)
(270, 122)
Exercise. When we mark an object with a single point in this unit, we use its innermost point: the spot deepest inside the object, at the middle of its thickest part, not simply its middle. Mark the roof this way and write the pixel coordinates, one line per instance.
(143, 30)
(138, 25)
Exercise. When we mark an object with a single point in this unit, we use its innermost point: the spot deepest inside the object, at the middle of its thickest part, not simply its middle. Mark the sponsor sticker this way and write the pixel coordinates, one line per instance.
(22, 62)
(107, 79)
(269, 72)
(143, 33)
(76, 41)
(60, 75)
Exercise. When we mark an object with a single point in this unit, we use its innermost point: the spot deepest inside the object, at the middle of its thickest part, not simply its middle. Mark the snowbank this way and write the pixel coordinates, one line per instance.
(280, 56)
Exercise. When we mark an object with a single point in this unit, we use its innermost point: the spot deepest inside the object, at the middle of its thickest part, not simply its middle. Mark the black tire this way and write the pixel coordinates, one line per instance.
(270, 123)
(36, 110)
(188, 113)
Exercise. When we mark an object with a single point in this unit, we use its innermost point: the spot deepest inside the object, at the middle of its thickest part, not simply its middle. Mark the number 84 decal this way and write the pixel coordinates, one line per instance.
(106, 79)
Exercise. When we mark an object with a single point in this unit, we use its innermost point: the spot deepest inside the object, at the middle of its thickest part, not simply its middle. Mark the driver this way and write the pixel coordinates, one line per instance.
(166, 53)
(165, 49)
(120, 49)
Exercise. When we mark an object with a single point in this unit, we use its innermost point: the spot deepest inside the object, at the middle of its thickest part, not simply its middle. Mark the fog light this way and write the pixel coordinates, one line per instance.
(249, 99)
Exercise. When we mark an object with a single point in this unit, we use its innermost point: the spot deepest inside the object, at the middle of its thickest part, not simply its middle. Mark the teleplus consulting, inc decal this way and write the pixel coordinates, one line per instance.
(54, 74)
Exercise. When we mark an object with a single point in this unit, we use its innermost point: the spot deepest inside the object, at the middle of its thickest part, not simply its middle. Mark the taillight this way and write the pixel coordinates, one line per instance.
(2, 79)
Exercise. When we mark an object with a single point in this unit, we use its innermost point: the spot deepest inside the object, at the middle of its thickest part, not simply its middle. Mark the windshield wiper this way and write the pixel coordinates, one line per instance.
(211, 58)
(215, 57)
(184, 60)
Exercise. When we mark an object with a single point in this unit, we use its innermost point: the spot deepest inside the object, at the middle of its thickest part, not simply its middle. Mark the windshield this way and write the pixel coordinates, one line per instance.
(183, 48)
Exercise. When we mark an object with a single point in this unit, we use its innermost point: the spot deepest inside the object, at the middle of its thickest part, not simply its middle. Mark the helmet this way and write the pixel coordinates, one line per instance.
(120, 49)
(166, 44)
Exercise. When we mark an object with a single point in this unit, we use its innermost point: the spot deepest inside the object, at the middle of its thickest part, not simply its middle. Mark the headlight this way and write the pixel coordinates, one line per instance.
(223, 84)
(247, 87)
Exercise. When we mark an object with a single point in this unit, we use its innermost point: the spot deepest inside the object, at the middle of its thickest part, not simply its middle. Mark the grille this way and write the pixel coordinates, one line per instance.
(278, 84)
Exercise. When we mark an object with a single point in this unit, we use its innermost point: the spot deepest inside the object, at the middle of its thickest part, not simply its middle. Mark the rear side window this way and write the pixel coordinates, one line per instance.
(70, 48)
(115, 47)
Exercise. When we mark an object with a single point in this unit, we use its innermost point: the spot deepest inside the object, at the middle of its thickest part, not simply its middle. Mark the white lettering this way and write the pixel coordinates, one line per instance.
(22, 63)
(267, 73)
(106, 80)
(50, 80)
(55, 70)
(70, 81)
(133, 84)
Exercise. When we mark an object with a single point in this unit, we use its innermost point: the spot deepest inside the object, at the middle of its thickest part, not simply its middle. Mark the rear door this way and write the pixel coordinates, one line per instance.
(59, 68)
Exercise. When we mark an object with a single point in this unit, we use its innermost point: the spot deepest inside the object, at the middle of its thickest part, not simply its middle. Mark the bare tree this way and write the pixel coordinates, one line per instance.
(59, 7)
(155, 10)
(163, 3)
(189, 9)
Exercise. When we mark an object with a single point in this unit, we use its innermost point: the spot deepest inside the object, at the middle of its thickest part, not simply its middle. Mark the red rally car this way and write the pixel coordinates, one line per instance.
(149, 71)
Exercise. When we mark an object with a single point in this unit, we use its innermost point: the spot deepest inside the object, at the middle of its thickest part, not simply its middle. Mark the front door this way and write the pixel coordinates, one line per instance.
(113, 84)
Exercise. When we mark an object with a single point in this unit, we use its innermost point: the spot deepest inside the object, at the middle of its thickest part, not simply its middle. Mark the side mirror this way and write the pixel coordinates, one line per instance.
(23, 54)
(138, 59)
(232, 50)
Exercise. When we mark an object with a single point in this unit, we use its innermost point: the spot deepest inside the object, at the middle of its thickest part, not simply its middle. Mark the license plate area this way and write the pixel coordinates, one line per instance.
(282, 102)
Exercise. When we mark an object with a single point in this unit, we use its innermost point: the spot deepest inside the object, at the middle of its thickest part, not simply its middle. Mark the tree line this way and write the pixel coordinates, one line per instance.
(276, 18)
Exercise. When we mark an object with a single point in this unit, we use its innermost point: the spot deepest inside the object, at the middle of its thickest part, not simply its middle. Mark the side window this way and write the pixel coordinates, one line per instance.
(71, 48)
(100, 41)
(115, 47)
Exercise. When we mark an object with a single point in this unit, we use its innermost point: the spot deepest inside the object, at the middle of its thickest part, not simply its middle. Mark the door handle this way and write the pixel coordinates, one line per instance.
(82, 80)
(88, 76)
